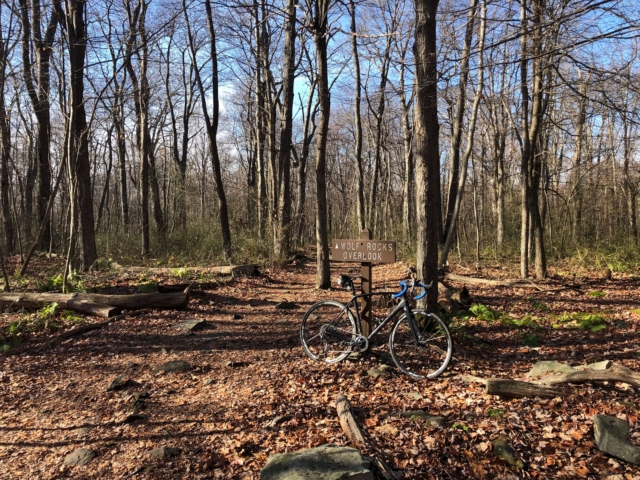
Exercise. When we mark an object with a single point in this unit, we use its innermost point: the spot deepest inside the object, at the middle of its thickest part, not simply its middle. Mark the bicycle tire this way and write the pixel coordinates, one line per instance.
(316, 343)
(428, 358)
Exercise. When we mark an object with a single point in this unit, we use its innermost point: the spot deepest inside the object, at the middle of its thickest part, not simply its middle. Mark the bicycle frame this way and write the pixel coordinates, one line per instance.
(403, 305)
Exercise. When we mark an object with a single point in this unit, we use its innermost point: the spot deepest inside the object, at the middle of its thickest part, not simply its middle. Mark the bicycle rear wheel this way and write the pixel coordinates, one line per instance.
(327, 331)
(430, 355)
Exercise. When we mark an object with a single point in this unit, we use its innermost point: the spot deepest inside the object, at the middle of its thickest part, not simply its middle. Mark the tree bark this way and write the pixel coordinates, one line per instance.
(348, 421)
(42, 45)
(516, 389)
(283, 231)
(78, 144)
(427, 158)
(319, 27)
(360, 206)
(5, 147)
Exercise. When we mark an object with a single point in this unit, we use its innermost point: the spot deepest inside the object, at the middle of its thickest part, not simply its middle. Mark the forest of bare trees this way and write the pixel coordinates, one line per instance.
(227, 130)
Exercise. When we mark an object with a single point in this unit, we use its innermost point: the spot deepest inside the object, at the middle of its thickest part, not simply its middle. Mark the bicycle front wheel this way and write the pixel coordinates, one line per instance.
(327, 331)
(425, 353)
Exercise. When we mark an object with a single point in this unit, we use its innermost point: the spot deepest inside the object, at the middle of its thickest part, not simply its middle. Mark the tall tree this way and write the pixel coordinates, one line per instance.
(426, 130)
(283, 229)
(211, 121)
(34, 41)
(319, 13)
(6, 46)
(73, 21)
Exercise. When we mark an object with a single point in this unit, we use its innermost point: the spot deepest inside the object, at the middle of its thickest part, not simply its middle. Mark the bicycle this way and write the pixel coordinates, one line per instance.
(420, 342)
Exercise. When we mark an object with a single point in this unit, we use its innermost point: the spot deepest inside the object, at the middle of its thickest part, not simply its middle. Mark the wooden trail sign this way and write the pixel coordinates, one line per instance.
(366, 252)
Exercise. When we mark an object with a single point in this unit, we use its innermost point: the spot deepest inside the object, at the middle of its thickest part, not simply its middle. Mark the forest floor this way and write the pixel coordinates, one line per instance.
(247, 369)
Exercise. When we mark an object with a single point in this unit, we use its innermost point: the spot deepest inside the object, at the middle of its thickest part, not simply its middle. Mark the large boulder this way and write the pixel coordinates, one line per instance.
(327, 462)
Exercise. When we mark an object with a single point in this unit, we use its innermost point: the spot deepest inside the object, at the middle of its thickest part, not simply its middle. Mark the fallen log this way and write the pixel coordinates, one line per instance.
(348, 421)
(233, 270)
(97, 304)
(516, 389)
(513, 283)
(614, 373)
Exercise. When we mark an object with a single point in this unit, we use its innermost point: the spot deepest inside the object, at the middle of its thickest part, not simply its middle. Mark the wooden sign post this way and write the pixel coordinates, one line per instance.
(367, 252)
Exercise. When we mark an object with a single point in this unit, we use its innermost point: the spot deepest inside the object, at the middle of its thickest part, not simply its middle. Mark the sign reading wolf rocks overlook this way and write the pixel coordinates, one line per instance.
(374, 251)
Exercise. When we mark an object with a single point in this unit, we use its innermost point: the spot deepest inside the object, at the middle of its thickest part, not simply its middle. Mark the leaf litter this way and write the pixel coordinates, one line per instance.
(251, 392)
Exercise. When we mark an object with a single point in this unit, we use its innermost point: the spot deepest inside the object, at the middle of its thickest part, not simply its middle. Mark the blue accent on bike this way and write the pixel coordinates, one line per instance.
(401, 293)
(423, 293)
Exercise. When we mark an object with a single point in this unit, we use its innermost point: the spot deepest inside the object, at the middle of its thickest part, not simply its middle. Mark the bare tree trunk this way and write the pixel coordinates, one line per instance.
(5, 146)
(319, 28)
(42, 45)
(462, 174)
(211, 121)
(360, 207)
(456, 171)
(78, 145)
(426, 146)
(283, 235)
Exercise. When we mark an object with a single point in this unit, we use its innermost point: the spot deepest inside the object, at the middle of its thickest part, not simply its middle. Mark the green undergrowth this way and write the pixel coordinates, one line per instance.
(47, 318)
(527, 324)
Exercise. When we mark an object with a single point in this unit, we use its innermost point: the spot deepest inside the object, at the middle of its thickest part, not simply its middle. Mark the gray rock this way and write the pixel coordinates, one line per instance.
(327, 462)
(381, 371)
(116, 384)
(81, 456)
(279, 420)
(137, 396)
(164, 452)
(174, 366)
(191, 325)
(422, 416)
(543, 367)
(612, 437)
(133, 418)
(502, 449)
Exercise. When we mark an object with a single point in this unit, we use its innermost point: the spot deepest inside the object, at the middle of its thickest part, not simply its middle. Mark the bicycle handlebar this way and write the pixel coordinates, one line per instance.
(416, 284)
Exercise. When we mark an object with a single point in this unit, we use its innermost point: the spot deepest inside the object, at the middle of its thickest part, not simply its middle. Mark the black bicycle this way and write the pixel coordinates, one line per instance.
(420, 343)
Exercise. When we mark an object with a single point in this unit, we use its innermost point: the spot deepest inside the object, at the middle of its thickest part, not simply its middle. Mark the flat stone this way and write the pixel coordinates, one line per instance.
(174, 366)
(81, 456)
(422, 416)
(604, 365)
(82, 430)
(164, 452)
(612, 437)
(544, 366)
(132, 365)
(191, 325)
(327, 462)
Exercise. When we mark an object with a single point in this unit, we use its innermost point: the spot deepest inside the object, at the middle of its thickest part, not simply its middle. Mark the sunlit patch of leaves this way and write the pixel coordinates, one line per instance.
(582, 320)
(597, 294)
